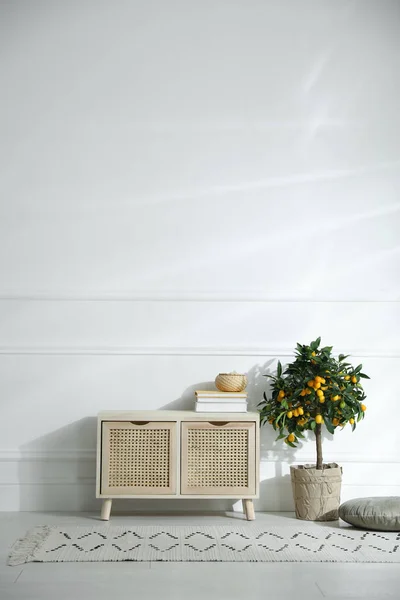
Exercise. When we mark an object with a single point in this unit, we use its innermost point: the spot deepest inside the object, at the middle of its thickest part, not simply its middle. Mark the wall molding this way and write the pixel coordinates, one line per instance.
(267, 456)
(181, 351)
(64, 480)
(280, 456)
(178, 296)
(47, 455)
(89, 481)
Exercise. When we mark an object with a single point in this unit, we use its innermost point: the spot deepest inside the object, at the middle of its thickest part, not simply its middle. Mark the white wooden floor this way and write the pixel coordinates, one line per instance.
(193, 581)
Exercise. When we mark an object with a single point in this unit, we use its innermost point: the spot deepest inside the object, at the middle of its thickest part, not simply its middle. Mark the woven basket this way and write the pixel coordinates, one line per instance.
(231, 382)
(316, 493)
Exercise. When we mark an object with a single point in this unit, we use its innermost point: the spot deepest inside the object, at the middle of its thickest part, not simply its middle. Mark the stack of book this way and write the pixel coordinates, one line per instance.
(215, 401)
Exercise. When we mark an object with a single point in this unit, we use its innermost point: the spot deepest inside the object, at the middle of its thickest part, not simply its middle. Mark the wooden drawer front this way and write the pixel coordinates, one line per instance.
(218, 458)
(138, 458)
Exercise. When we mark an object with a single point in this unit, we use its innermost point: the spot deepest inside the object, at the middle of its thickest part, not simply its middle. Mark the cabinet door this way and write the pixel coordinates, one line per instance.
(138, 458)
(218, 458)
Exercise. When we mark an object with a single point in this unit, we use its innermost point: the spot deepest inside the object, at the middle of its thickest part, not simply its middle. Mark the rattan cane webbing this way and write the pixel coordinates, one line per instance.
(139, 457)
(217, 458)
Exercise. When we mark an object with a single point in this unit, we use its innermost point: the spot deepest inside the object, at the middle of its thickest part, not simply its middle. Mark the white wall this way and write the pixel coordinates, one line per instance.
(185, 188)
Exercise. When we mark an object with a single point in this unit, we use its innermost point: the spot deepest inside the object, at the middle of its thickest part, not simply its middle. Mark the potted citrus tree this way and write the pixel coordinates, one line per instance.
(316, 390)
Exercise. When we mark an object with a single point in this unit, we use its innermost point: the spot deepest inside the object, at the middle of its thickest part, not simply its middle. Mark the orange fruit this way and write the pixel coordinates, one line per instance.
(363, 407)
(335, 422)
(351, 421)
(354, 379)
(347, 377)
(300, 410)
(310, 383)
(321, 399)
(320, 393)
(289, 414)
(318, 419)
(290, 437)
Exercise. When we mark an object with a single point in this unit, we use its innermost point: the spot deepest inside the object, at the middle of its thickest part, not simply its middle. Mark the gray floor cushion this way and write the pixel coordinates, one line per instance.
(380, 513)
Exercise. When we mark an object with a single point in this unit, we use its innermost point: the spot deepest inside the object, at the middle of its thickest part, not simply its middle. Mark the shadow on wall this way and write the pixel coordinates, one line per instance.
(58, 471)
(256, 385)
(275, 489)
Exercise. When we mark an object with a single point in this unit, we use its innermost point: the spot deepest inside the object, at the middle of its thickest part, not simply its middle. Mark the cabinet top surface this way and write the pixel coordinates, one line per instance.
(174, 415)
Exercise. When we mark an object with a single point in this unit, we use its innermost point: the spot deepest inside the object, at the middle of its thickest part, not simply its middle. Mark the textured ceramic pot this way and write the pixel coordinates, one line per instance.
(231, 382)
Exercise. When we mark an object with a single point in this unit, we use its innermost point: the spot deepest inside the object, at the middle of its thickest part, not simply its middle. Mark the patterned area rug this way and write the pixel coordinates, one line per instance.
(223, 543)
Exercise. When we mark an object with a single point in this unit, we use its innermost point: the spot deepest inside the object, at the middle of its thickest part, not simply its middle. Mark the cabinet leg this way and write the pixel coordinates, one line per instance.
(106, 509)
(248, 509)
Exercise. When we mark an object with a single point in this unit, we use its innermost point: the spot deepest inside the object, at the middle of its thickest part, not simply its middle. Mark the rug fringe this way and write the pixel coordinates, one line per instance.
(24, 549)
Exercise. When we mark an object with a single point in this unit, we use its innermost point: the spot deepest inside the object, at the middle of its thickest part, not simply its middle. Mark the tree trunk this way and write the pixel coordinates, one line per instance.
(318, 441)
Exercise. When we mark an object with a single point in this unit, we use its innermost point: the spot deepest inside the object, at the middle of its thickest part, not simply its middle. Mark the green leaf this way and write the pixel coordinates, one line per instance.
(279, 369)
(329, 425)
(313, 425)
(290, 444)
(327, 349)
(314, 345)
(280, 436)
(280, 416)
(364, 376)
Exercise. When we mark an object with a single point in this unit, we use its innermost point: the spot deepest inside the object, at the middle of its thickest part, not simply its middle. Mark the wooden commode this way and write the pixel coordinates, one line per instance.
(177, 454)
